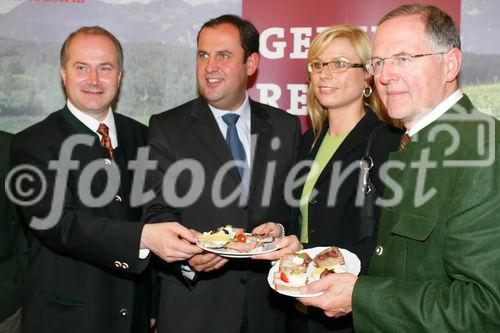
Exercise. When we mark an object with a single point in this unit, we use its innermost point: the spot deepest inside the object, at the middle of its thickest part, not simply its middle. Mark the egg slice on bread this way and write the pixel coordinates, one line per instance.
(293, 280)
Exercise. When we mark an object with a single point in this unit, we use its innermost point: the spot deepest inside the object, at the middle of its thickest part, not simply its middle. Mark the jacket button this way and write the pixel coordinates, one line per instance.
(379, 250)
(313, 202)
(125, 265)
(118, 198)
(118, 264)
(243, 282)
(123, 312)
(107, 161)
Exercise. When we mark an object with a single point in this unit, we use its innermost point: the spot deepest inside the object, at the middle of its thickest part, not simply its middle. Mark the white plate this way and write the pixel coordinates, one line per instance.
(352, 265)
(266, 247)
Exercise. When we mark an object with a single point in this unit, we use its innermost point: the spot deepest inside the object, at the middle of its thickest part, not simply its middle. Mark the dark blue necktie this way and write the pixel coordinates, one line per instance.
(235, 146)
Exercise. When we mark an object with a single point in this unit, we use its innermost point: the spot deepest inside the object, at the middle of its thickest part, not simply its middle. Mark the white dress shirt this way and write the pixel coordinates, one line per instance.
(93, 124)
(243, 126)
(437, 112)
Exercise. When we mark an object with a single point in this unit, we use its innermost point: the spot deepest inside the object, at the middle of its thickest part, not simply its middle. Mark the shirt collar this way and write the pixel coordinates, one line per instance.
(437, 112)
(243, 111)
(93, 123)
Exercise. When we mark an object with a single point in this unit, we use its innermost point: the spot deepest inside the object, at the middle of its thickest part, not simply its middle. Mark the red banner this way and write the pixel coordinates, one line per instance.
(287, 29)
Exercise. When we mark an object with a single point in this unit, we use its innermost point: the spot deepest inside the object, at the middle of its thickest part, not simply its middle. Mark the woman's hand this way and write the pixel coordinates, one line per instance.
(269, 228)
(288, 244)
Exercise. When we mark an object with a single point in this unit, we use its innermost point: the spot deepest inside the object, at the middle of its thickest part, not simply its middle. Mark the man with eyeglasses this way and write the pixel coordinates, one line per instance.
(435, 267)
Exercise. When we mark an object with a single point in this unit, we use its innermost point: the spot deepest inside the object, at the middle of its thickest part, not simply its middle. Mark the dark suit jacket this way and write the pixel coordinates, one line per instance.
(339, 224)
(80, 276)
(13, 243)
(436, 267)
(218, 299)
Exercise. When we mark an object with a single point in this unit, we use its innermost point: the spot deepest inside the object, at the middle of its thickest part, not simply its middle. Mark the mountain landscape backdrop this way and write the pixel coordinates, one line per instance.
(159, 40)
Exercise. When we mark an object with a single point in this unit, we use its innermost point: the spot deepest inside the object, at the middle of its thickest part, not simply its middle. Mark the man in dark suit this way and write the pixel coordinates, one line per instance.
(13, 251)
(435, 266)
(89, 253)
(224, 296)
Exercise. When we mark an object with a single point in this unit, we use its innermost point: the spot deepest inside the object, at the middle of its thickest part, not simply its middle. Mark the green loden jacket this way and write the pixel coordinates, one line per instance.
(436, 266)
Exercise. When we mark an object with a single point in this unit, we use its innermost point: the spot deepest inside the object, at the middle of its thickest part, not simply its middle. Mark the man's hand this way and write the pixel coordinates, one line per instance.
(206, 262)
(337, 298)
(170, 241)
(152, 325)
(288, 244)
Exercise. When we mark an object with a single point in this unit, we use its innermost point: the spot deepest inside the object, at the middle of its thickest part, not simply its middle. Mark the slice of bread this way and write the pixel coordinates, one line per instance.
(296, 281)
(246, 247)
(329, 258)
(294, 261)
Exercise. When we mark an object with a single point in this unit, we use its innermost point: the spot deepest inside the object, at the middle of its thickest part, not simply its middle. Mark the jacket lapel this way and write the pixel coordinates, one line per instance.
(127, 150)
(206, 128)
(70, 125)
(261, 140)
(354, 139)
(315, 146)
(462, 108)
(74, 126)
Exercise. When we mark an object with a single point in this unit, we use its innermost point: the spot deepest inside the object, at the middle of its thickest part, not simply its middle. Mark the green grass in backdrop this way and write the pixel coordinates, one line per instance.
(485, 97)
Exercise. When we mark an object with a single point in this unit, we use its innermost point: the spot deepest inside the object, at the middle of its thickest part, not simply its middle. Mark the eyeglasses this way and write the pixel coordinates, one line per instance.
(338, 65)
(400, 60)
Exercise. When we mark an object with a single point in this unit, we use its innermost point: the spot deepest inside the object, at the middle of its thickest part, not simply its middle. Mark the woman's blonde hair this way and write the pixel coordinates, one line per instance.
(362, 45)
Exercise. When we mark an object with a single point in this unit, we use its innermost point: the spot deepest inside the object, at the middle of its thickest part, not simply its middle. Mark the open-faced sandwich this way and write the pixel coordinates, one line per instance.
(292, 280)
(298, 269)
(295, 262)
(292, 274)
(328, 261)
(219, 238)
(233, 240)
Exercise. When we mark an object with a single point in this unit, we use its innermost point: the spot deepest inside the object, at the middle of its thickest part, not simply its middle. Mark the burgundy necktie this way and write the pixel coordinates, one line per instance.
(404, 140)
(105, 139)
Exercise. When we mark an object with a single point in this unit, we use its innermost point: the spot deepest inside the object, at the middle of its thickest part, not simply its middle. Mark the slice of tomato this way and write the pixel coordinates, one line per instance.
(241, 238)
(283, 277)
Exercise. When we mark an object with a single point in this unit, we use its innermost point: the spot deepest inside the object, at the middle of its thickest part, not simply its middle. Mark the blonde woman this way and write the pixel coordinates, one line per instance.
(345, 111)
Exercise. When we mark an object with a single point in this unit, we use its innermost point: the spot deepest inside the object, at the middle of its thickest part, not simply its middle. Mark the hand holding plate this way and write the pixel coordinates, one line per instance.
(336, 300)
(206, 262)
(288, 244)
